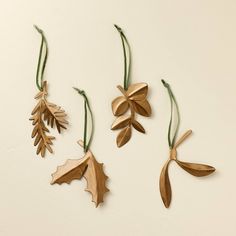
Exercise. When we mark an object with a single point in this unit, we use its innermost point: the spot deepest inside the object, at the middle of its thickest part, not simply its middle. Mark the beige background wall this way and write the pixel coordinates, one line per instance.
(191, 44)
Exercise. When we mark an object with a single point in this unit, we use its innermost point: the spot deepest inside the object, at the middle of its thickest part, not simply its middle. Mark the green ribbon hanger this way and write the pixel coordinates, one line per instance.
(174, 107)
(43, 55)
(87, 108)
(127, 57)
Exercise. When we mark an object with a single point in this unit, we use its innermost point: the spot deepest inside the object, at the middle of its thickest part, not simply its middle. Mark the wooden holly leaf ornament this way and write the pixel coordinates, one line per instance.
(45, 112)
(134, 99)
(86, 167)
(194, 169)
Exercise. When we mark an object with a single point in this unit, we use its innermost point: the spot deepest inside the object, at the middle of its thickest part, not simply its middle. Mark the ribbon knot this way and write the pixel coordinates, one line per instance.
(81, 92)
(173, 154)
(45, 87)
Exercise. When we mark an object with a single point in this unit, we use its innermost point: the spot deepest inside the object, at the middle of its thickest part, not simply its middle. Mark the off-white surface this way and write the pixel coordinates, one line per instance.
(192, 44)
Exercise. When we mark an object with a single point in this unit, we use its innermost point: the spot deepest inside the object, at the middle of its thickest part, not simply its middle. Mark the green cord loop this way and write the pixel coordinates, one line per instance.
(127, 57)
(43, 55)
(87, 108)
(174, 107)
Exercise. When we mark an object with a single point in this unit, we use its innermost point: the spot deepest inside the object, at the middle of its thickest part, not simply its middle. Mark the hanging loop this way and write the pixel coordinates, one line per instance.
(127, 57)
(87, 135)
(43, 55)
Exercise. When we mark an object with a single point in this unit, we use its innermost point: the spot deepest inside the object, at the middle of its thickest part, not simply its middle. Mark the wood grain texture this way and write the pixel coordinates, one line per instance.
(134, 100)
(50, 113)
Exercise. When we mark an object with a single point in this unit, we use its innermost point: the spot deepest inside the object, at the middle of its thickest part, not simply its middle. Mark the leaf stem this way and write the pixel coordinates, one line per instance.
(122, 90)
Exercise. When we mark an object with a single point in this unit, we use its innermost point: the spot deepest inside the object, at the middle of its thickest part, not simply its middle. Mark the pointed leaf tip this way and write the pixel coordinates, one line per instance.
(124, 136)
(164, 184)
(196, 169)
(138, 126)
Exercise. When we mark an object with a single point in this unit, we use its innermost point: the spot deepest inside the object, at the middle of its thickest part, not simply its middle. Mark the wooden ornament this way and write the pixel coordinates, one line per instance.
(49, 113)
(86, 167)
(133, 100)
(197, 170)
(44, 111)
(194, 169)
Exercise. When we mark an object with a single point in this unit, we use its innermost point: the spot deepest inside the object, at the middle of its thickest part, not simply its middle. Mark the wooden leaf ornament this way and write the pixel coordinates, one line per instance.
(134, 100)
(86, 167)
(44, 111)
(197, 170)
(49, 113)
(194, 169)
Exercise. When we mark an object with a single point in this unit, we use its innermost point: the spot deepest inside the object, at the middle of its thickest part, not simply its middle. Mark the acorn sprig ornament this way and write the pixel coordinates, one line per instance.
(194, 169)
(45, 113)
(133, 99)
(86, 167)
